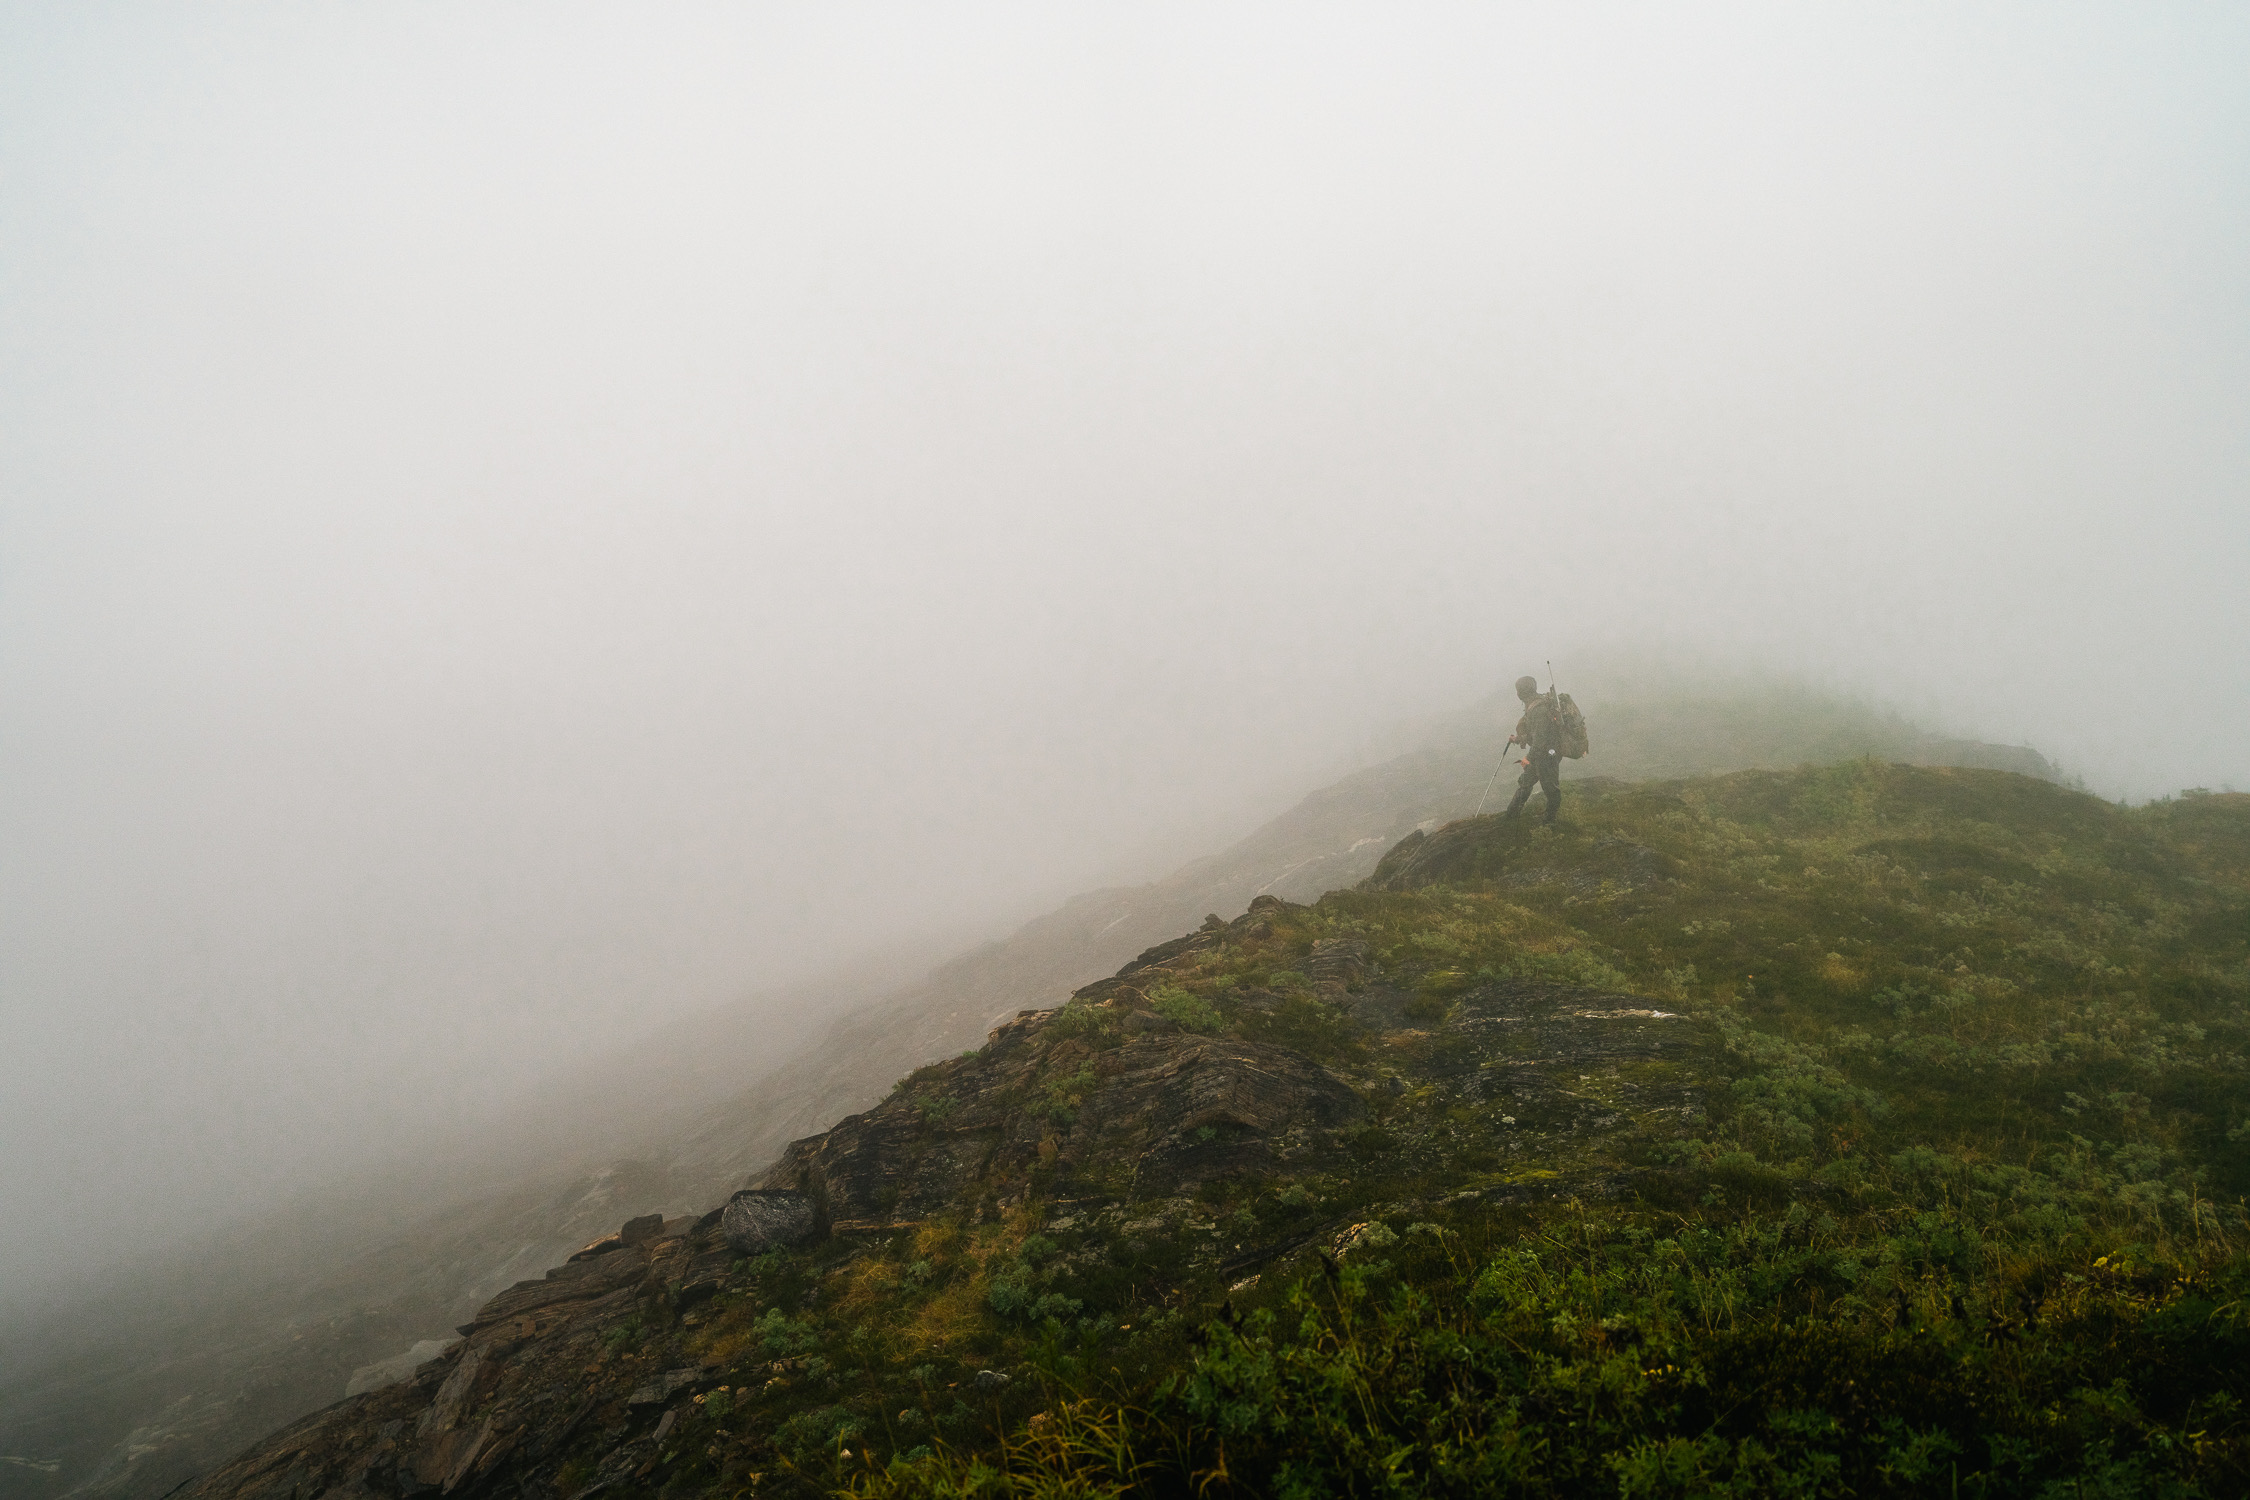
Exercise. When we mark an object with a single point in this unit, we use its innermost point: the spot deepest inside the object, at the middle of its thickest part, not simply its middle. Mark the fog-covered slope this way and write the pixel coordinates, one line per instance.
(128, 1394)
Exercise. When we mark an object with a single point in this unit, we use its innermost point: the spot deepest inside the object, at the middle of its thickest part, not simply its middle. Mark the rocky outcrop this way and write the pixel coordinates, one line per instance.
(513, 1391)
(1116, 1097)
(1088, 1112)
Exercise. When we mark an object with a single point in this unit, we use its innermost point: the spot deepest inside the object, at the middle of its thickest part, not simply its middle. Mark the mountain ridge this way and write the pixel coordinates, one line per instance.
(372, 1304)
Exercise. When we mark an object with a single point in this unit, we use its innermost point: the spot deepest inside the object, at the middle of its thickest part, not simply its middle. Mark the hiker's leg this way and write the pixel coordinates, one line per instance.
(1550, 777)
(1524, 784)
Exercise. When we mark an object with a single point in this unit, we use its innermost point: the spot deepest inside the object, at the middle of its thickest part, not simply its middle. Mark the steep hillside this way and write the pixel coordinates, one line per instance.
(161, 1376)
(1860, 1129)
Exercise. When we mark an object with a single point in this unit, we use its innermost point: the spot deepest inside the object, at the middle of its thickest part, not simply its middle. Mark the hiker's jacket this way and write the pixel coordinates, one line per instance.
(1541, 724)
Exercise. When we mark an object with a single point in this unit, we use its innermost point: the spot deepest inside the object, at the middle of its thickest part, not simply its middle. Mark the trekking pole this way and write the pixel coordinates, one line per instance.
(1495, 781)
(1488, 786)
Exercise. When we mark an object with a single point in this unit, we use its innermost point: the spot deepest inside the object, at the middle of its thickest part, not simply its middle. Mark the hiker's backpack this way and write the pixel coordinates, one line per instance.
(1573, 736)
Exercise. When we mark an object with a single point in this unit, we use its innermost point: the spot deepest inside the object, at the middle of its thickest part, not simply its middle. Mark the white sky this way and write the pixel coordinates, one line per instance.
(518, 522)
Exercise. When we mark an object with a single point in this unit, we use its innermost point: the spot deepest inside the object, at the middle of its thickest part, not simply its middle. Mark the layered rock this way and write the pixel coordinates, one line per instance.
(1131, 1108)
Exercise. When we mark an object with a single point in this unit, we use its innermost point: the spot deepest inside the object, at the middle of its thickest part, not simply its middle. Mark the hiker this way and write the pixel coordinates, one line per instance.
(1551, 731)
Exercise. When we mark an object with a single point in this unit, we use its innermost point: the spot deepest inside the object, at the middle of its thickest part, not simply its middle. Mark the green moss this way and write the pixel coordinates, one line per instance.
(1188, 1011)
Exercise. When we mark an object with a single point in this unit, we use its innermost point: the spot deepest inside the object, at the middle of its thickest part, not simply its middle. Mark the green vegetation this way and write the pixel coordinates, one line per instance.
(1940, 1191)
(1185, 1009)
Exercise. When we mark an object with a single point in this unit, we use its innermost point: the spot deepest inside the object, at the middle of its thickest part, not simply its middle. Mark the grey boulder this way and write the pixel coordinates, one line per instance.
(760, 1219)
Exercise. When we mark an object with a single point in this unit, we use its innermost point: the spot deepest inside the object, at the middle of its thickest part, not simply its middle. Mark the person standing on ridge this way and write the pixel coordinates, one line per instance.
(1541, 732)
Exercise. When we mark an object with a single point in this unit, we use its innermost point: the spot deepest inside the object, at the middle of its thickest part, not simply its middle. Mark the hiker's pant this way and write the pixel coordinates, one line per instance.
(1545, 771)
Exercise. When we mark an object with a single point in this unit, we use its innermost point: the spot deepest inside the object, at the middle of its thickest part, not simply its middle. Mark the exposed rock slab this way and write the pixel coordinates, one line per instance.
(1027, 1100)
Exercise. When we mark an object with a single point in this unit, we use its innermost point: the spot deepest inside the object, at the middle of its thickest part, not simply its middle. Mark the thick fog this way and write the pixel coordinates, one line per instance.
(519, 524)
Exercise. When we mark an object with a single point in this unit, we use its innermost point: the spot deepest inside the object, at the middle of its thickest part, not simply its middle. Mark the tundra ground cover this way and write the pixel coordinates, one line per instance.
(1854, 1130)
